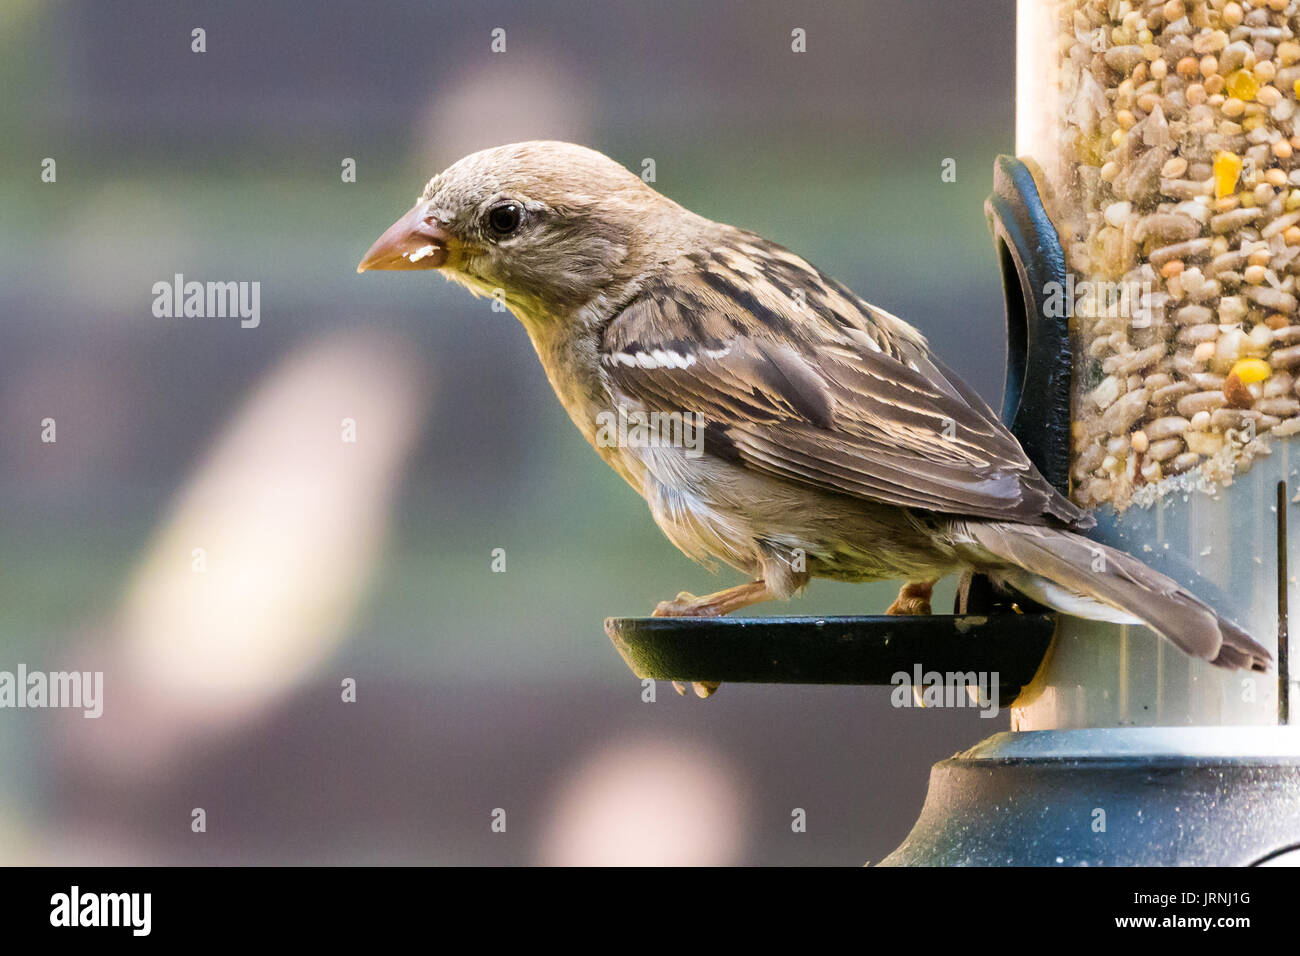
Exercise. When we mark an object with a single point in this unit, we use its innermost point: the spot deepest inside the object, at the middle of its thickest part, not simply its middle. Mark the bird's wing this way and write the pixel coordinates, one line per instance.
(849, 404)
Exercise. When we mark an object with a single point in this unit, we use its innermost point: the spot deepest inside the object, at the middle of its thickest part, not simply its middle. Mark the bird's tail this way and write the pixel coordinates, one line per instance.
(1078, 576)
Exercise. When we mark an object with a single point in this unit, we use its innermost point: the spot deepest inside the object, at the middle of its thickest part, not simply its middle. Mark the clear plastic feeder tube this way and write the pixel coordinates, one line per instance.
(1165, 138)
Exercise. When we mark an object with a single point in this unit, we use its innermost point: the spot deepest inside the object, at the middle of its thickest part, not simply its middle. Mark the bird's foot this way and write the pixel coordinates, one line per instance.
(913, 599)
(908, 607)
(716, 604)
(685, 604)
(711, 605)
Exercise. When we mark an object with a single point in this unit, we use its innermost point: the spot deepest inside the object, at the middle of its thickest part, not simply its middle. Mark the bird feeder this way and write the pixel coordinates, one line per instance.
(1149, 242)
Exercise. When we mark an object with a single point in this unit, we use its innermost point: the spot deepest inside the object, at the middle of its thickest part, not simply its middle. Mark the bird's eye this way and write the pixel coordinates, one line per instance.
(504, 218)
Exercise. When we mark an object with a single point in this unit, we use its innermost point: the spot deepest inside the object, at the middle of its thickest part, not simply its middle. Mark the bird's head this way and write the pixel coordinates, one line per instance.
(551, 225)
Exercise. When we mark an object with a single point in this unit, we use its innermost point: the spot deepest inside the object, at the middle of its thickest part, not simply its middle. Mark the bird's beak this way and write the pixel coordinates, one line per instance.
(416, 241)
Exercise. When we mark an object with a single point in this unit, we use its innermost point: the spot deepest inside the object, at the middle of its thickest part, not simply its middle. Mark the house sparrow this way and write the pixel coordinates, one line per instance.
(834, 443)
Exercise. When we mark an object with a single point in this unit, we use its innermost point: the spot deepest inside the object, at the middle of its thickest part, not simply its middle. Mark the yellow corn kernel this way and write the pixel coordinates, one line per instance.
(1227, 168)
(1296, 88)
(1243, 85)
(1251, 370)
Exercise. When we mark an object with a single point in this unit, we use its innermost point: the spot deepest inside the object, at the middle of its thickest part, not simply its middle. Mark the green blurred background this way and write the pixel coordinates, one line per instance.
(475, 690)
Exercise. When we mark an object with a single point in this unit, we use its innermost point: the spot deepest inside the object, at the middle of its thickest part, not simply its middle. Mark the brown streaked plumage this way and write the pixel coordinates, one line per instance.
(834, 443)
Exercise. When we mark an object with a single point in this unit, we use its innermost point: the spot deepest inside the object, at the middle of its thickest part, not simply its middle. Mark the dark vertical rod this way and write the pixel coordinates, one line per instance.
(1283, 655)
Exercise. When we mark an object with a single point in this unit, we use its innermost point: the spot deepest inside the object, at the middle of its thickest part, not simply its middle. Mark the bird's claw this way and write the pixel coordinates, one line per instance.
(685, 604)
(909, 607)
(703, 688)
(913, 599)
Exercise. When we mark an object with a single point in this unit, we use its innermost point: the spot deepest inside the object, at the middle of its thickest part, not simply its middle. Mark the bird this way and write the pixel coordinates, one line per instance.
(812, 433)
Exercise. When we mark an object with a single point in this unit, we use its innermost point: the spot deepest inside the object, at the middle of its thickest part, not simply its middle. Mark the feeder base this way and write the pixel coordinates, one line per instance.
(1114, 797)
